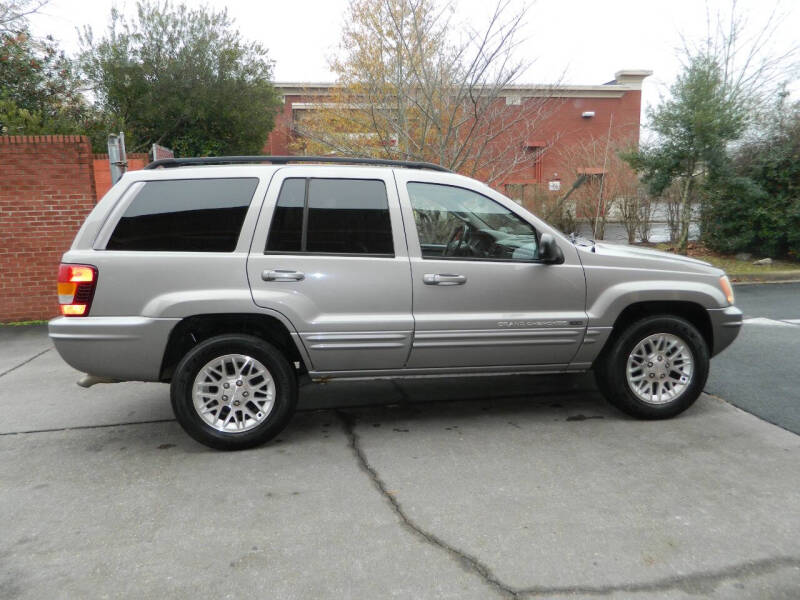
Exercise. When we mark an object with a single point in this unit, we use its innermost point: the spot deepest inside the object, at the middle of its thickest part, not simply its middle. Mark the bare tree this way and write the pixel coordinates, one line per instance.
(673, 197)
(610, 185)
(557, 210)
(560, 211)
(412, 85)
(628, 210)
(645, 217)
(753, 68)
(13, 13)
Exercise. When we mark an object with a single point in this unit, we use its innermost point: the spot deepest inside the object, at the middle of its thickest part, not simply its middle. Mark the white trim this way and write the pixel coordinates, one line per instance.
(615, 89)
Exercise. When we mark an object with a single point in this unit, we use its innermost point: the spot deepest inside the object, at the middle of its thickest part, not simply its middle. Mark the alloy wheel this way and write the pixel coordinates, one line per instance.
(659, 368)
(233, 393)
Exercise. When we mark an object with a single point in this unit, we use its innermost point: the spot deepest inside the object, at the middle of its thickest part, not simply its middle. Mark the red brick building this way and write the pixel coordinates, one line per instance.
(572, 115)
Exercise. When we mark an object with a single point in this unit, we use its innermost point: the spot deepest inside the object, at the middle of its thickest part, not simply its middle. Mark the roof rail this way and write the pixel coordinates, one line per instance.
(169, 163)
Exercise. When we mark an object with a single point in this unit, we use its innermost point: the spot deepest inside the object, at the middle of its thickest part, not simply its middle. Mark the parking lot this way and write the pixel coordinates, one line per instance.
(517, 487)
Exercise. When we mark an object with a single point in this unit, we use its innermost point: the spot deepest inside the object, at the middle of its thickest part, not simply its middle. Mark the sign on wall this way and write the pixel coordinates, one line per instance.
(160, 152)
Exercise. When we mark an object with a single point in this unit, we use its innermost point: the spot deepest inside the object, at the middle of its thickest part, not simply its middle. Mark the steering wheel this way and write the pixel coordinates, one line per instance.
(458, 237)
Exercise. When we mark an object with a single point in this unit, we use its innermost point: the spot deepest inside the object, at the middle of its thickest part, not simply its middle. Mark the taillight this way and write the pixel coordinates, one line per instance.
(76, 285)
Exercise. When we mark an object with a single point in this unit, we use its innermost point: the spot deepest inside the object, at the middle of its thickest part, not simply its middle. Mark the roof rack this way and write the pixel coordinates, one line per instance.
(169, 163)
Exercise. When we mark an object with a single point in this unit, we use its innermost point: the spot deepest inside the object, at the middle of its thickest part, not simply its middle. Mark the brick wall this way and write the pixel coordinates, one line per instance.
(47, 188)
(102, 170)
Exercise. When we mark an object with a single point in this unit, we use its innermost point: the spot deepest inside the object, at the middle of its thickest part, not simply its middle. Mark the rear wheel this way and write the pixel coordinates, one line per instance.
(654, 369)
(233, 392)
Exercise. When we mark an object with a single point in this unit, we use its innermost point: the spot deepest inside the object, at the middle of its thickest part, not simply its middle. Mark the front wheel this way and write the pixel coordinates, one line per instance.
(654, 369)
(232, 392)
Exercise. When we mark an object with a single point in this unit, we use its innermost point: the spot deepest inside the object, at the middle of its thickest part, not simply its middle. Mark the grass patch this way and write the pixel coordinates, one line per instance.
(734, 266)
(21, 323)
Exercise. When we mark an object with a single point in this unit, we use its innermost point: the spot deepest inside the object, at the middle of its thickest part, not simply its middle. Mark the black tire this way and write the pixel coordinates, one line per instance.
(611, 367)
(283, 376)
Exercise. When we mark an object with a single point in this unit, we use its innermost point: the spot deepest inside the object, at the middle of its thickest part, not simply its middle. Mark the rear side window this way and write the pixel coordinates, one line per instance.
(331, 216)
(286, 232)
(189, 215)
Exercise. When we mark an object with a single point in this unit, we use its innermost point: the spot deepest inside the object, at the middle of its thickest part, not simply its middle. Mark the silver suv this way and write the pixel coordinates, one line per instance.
(233, 282)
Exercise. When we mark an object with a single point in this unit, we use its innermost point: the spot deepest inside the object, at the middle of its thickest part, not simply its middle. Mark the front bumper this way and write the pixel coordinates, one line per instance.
(725, 325)
(123, 348)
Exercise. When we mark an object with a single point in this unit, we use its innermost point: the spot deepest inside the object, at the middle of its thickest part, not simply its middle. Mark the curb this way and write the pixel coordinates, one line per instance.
(775, 277)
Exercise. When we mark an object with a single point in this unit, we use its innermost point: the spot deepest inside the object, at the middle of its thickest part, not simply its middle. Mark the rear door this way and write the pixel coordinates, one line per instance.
(330, 254)
(482, 298)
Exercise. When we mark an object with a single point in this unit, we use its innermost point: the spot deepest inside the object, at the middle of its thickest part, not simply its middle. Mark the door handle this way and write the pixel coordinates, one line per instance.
(443, 279)
(282, 275)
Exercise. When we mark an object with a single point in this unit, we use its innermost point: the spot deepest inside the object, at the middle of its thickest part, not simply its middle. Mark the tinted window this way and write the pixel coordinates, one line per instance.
(285, 233)
(454, 222)
(348, 216)
(344, 216)
(191, 215)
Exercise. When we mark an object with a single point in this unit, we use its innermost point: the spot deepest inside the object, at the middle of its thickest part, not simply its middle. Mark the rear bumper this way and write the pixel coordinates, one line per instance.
(725, 324)
(124, 348)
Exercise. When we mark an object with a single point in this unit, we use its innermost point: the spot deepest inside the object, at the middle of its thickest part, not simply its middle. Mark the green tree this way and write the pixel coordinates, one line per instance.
(183, 78)
(694, 127)
(728, 81)
(39, 89)
(757, 207)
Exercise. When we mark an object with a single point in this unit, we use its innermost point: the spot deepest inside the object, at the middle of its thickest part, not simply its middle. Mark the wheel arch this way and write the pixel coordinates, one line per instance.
(692, 312)
(192, 330)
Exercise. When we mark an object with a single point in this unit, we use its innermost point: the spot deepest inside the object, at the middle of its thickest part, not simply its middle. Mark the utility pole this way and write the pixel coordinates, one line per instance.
(603, 180)
(117, 159)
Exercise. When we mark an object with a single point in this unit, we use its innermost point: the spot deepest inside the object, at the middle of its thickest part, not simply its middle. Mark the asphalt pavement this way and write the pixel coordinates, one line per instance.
(760, 372)
(483, 487)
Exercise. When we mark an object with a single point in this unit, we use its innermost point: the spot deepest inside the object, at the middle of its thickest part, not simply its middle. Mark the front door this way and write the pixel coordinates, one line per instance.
(329, 253)
(481, 296)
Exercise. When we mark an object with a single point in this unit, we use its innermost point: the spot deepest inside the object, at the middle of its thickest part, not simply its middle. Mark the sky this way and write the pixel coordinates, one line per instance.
(572, 41)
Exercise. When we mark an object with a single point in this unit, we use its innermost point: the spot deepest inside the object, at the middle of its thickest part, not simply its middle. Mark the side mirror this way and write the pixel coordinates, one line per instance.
(549, 252)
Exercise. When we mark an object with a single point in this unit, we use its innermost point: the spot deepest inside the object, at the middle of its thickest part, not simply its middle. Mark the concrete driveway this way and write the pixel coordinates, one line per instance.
(474, 488)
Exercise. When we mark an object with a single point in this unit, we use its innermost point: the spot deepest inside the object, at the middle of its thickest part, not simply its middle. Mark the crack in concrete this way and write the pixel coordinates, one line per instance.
(24, 362)
(702, 583)
(465, 560)
(694, 583)
(81, 427)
